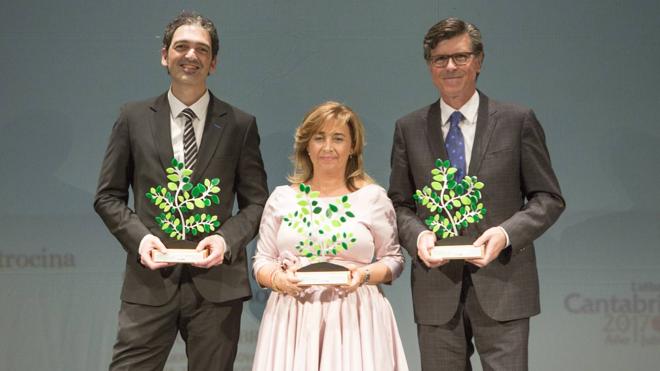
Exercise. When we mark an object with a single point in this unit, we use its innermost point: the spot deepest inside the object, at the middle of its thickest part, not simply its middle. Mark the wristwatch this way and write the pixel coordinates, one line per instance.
(367, 275)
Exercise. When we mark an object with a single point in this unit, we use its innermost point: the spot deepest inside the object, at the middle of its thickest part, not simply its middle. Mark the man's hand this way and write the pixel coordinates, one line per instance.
(425, 242)
(216, 246)
(147, 245)
(494, 241)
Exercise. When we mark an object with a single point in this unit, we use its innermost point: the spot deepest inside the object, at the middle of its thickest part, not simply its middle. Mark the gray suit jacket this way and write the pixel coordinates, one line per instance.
(139, 151)
(522, 195)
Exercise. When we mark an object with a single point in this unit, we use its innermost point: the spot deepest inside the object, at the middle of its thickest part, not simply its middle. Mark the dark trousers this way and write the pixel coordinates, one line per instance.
(146, 333)
(502, 346)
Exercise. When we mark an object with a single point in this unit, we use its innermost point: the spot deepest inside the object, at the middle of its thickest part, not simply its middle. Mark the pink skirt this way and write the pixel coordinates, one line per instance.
(323, 329)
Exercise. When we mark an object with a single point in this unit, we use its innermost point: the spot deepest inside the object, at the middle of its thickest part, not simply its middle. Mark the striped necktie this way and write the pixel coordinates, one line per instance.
(189, 141)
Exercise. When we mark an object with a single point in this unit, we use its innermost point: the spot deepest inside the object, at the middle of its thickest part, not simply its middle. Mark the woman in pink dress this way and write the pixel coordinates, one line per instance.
(348, 220)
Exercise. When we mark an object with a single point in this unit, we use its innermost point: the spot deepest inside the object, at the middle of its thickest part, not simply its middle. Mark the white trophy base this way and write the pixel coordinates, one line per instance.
(179, 256)
(323, 274)
(323, 278)
(457, 252)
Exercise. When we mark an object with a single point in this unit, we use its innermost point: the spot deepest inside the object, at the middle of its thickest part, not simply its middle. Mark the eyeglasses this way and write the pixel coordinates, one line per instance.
(459, 59)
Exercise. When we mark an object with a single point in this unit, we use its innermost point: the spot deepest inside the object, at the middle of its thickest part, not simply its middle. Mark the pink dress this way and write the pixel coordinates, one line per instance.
(322, 328)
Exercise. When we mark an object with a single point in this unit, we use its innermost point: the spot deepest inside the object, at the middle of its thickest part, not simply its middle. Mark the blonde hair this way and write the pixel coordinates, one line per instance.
(303, 169)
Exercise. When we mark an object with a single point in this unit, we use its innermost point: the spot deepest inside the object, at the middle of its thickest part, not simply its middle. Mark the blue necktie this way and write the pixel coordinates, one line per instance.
(455, 145)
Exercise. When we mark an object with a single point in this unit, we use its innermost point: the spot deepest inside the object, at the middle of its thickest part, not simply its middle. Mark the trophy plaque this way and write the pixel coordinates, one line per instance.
(453, 205)
(460, 247)
(181, 203)
(319, 225)
(179, 252)
(323, 273)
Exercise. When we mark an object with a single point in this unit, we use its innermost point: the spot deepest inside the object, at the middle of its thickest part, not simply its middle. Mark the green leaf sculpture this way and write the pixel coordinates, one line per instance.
(453, 205)
(179, 198)
(319, 226)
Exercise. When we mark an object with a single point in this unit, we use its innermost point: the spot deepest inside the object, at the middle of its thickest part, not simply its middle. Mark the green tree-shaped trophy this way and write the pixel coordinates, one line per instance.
(453, 205)
(321, 237)
(177, 201)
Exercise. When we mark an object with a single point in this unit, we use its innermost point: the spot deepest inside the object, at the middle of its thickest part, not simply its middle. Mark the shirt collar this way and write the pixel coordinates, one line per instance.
(469, 110)
(200, 107)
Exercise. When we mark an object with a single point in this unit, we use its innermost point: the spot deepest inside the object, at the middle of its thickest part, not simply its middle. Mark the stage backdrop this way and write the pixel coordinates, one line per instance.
(588, 68)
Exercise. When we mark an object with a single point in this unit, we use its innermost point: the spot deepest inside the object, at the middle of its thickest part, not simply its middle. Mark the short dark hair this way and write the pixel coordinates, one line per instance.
(191, 18)
(449, 28)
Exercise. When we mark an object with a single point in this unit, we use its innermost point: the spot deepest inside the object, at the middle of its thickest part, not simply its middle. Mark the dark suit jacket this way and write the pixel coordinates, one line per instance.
(139, 151)
(522, 195)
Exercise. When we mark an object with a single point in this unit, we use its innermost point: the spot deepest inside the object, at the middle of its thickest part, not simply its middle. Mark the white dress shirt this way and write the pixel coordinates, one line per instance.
(468, 125)
(178, 121)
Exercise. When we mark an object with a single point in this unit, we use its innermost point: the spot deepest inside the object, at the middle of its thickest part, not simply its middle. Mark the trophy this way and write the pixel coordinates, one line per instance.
(322, 238)
(177, 201)
(453, 205)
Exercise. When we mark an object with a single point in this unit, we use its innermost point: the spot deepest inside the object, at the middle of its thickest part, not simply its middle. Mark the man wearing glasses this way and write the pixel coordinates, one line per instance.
(489, 299)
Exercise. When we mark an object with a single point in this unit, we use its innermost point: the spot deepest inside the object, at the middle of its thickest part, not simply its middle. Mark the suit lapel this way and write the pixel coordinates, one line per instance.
(486, 123)
(215, 123)
(160, 128)
(434, 132)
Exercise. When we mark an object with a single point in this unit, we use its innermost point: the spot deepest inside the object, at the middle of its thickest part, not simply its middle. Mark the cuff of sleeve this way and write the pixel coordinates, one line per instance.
(139, 259)
(427, 232)
(395, 267)
(142, 242)
(255, 272)
(226, 257)
(508, 242)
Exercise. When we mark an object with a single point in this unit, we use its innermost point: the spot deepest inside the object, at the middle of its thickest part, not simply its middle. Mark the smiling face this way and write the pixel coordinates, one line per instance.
(456, 84)
(189, 59)
(330, 147)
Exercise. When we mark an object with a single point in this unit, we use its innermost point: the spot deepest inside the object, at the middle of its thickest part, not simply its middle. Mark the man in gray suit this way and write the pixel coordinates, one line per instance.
(202, 301)
(489, 299)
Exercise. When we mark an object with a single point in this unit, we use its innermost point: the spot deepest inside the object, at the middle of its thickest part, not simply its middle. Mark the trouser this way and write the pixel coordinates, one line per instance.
(502, 346)
(146, 333)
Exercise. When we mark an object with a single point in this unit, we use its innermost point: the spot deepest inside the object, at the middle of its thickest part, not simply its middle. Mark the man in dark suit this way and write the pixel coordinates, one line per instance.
(489, 299)
(202, 301)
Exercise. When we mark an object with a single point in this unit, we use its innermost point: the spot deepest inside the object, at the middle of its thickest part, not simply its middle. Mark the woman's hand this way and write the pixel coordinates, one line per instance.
(285, 282)
(358, 278)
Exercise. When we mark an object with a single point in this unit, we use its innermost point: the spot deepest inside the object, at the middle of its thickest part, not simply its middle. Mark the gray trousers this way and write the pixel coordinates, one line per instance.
(502, 346)
(146, 333)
